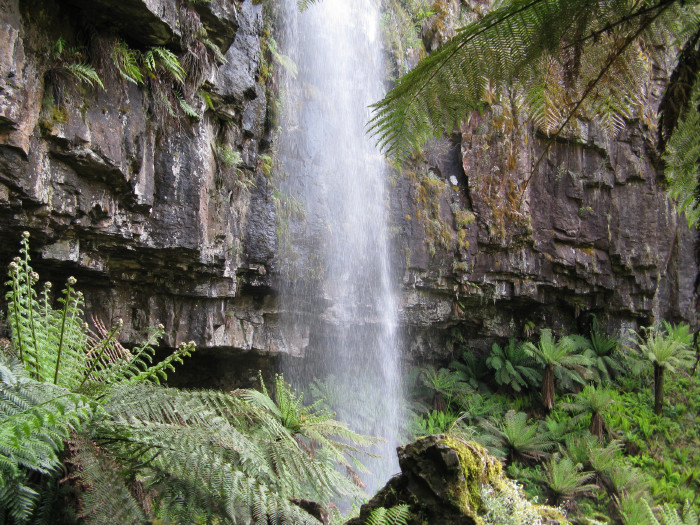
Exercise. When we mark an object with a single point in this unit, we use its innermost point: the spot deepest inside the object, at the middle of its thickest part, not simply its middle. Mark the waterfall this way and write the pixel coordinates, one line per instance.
(337, 299)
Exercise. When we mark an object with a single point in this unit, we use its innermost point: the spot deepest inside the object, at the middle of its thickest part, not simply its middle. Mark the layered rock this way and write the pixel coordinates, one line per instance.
(505, 251)
(138, 205)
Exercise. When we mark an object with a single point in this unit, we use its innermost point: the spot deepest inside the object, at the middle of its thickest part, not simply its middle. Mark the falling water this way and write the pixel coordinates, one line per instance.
(338, 303)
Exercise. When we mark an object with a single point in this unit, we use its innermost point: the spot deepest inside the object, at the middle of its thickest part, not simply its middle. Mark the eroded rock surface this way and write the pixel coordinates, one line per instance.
(138, 206)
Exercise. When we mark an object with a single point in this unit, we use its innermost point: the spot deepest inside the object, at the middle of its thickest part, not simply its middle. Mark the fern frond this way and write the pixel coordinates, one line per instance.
(508, 45)
(104, 496)
(84, 73)
(167, 60)
(397, 515)
(127, 63)
(683, 160)
(35, 420)
(305, 4)
(216, 51)
(185, 106)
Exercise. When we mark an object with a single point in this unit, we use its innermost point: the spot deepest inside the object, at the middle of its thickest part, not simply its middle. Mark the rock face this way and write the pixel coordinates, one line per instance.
(143, 208)
(441, 482)
(133, 201)
(592, 231)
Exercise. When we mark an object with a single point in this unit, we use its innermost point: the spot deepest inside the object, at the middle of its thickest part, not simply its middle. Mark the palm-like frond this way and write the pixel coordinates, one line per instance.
(664, 350)
(313, 427)
(593, 402)
(514, 42)
(513, 366)
(515, 438)
(565, 479)
(603, 352)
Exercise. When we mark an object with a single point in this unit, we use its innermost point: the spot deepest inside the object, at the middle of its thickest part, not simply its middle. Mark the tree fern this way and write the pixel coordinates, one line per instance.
(515, 438)
(571, 58)
(508, 44)
(199, 455)
(513, 366)
(98, 473)
(565, 480)
(670, 516)
(35, 420)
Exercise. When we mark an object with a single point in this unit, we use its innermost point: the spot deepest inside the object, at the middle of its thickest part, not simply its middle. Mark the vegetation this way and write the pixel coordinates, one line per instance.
(78, 402)
(601, 451)
(562, 361)
(562, 59)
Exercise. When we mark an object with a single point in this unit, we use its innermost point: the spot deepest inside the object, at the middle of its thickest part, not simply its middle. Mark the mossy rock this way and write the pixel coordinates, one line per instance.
(446, 481)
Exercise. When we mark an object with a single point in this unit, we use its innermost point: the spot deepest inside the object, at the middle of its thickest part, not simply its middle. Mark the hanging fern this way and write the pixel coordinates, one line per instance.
(594, 43)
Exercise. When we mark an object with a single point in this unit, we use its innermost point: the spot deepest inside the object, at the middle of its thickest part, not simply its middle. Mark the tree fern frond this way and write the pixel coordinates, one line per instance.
(104, 497)
(683, 160)
(505, 46)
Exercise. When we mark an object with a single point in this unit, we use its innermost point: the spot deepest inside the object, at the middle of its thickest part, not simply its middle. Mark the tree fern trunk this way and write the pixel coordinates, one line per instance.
(597, 426)
(548, 387)
(658, 388)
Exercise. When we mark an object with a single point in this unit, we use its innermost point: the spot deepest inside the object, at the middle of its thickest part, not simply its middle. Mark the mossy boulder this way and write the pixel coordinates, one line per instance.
(447, 481)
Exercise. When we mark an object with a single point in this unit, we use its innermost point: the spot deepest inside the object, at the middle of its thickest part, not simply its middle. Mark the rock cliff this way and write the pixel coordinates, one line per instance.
(169, 217)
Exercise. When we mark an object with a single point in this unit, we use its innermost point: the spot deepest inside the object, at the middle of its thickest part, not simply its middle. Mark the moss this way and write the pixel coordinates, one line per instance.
(484, 478)
(478, 468)
(464, 218)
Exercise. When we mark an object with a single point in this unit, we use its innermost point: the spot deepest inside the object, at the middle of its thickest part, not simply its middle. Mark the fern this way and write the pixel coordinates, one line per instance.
(126, 60)
(397, 515)
(510, 43)
(670, 516)
(160, 56)
(185, 106)
(565, 479)
(35, 420)
(200, 455)
(515, 438)
(71, 60)
(305, 4)
(513, 366)
(683, 159)
(216, 50)
(97, 474)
